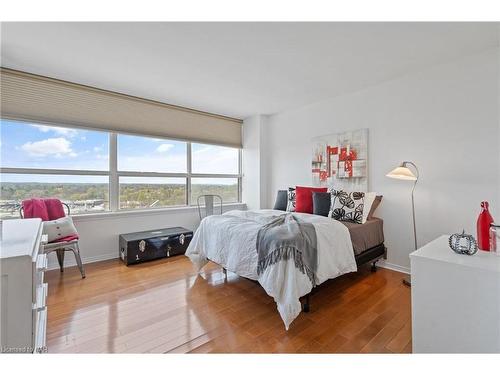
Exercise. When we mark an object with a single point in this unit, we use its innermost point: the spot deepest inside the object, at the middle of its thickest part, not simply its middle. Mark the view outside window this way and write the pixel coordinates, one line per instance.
(152, 192)
(42, 161)
(144, 154)
(227, 188)
(83, 194)
(26, 145)
(214, 159)
(35, 146)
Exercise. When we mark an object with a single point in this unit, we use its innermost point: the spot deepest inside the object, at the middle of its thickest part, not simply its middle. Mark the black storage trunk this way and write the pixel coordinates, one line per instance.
(143, 246)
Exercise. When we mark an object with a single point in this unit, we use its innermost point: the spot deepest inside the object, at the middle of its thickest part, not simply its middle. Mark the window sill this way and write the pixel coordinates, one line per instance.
(149, 212)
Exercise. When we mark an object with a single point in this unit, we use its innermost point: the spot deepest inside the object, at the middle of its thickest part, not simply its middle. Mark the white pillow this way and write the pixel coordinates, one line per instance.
(60, 228)
(367, 204)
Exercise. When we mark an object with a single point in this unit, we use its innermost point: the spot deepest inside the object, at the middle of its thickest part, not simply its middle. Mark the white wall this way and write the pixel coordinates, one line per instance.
(250, 162)
(99, 233)
(496, 209)
(254, 162)
(445, 119)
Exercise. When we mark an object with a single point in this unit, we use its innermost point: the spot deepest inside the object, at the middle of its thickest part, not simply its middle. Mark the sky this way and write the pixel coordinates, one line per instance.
(27, 145)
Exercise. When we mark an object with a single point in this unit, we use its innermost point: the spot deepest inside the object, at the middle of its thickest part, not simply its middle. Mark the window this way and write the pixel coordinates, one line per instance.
(27, 145)
(47, 161)
(83, 194)
(209, 159)
(95, 171)
(227, 188)
(152, 192)
(144, 154)
(215, 171)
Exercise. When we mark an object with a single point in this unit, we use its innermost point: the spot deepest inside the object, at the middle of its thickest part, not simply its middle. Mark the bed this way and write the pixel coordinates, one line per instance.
(367, 241)
(230, 241)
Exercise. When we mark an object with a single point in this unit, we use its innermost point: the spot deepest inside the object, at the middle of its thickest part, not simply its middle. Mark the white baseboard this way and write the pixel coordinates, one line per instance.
(391, 266)
(69, 259)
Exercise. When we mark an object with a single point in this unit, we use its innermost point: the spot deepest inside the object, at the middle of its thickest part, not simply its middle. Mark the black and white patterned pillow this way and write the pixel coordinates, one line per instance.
(290, 207)
(347, 206)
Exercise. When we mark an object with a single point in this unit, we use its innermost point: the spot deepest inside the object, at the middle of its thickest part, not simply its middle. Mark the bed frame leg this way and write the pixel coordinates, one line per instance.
(224, 271)
(374, 266)
(306, 308)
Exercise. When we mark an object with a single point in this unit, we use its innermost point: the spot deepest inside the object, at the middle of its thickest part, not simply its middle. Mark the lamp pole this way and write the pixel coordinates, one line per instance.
(407, 281)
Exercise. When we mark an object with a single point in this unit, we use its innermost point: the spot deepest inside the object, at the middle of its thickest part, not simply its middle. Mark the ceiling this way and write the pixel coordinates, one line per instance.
(237, 69)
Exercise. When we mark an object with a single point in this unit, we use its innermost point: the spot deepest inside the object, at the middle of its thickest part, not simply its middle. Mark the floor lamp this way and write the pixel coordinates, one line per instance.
(404, 173)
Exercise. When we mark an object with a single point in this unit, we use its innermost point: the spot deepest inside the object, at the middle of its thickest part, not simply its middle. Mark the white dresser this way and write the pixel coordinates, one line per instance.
(23, 312)
(455, 300)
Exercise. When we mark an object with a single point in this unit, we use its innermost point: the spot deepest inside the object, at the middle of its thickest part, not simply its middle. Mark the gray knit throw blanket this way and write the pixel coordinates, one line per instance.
(286, 238)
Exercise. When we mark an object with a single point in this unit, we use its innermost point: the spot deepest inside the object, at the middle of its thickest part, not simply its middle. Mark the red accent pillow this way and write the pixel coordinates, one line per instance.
(303, 198)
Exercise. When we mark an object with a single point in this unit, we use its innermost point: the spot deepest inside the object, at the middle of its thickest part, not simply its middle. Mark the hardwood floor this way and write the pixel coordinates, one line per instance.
(164, 307)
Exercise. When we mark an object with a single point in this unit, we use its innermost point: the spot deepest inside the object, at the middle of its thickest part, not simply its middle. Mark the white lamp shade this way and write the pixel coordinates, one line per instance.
(402, 173)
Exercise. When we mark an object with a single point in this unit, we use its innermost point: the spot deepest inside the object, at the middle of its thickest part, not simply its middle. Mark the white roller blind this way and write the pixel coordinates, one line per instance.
(35, 98)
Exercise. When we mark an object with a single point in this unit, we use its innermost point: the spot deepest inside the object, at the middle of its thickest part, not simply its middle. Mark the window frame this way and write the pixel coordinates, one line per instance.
(114, 174)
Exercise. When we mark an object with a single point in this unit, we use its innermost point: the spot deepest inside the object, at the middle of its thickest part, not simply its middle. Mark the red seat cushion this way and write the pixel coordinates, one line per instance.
(67, 239)
(303, 198)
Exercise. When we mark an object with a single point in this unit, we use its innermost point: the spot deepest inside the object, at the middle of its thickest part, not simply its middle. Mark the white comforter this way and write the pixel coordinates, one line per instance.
(230, 241)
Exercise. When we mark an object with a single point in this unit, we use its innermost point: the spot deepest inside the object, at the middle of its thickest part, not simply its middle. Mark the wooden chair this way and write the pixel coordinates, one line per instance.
(61, 247)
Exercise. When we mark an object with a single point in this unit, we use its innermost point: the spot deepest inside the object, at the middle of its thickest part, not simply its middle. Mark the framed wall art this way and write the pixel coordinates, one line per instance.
(340, 160)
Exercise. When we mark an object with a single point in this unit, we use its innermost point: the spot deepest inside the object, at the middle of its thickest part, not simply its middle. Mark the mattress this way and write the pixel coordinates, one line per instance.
(367, 235)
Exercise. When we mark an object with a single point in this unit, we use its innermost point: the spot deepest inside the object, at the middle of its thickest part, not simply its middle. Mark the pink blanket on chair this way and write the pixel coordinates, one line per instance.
(43, 208)
(54, 208)
(35, 207)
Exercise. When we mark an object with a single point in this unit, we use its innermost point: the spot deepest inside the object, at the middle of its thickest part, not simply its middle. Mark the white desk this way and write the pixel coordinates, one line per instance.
(455, 300)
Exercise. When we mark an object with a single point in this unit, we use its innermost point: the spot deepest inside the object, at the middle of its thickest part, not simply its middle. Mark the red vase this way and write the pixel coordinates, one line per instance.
(483, 227)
